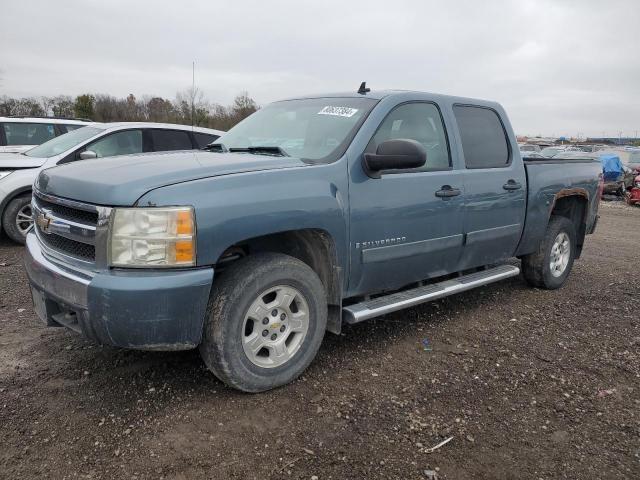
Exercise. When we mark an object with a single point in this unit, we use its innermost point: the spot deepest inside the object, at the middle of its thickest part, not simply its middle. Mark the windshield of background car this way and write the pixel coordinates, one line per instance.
(63, 142)
(313, 129)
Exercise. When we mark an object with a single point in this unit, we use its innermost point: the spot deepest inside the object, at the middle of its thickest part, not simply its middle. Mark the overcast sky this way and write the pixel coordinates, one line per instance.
(558, 66)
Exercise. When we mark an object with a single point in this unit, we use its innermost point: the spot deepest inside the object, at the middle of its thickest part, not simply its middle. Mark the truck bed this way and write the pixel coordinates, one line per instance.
(548, 180)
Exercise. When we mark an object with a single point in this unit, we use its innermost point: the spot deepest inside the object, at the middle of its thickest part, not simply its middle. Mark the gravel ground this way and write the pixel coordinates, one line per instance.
(529, 383)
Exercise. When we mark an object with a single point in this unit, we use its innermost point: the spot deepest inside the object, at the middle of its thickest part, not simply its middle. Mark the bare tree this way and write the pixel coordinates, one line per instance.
(189, 106)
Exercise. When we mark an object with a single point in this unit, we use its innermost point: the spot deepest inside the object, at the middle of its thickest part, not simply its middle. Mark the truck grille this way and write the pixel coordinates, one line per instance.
(73, 214)
(66, 227)
(70, 247)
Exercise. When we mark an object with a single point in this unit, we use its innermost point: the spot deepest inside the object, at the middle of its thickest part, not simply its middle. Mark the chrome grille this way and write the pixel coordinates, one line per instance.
(71, 231)
(74, 214)
(70, 247)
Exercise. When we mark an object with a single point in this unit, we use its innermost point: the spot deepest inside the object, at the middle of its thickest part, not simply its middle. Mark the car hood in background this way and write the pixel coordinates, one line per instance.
(121, 181)
(10, 161)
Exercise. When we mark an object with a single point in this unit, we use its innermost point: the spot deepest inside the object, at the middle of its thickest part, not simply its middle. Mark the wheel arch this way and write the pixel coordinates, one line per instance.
(313, 246)
(573, 204)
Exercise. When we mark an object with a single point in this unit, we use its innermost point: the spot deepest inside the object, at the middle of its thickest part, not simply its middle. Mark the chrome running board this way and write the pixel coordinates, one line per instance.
(409, 298)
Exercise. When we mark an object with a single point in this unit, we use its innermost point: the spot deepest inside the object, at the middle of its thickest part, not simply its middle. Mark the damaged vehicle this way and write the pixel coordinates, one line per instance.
(312, 213)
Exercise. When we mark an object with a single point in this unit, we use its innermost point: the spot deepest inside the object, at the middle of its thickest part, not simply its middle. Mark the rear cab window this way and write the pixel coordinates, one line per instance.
(483, 136)
(168, 140)
(24, 133)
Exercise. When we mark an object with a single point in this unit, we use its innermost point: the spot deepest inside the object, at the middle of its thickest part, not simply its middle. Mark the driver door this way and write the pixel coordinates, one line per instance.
(401, 230)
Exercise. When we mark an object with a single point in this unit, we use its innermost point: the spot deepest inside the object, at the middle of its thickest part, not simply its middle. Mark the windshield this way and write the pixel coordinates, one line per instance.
(63, 142)
(316, 129)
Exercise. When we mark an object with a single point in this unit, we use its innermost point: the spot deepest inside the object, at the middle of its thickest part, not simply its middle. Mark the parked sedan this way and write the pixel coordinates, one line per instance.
(18, 171)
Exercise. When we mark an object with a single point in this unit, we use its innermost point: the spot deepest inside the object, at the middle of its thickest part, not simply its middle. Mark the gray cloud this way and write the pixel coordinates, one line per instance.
(558, 66)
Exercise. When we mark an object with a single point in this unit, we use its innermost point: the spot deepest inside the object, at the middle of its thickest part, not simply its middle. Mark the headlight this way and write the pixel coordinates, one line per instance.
(153, 237)
(5, 173)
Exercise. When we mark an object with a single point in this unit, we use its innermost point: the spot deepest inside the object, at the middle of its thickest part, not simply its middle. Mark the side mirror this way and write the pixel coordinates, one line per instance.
(88, 155)
(398, 154)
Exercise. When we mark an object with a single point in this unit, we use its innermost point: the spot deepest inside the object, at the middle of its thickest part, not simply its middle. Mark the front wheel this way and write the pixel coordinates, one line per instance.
(18, 218)
(550, 266)
(265, 323)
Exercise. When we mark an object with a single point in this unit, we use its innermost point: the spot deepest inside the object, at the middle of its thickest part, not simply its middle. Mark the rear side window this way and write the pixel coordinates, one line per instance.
(204, 139)
(484, 141)
(166, 140)
(28, 133)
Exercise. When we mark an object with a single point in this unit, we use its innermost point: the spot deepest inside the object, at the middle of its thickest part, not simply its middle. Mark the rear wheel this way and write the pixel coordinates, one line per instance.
(550, 266)
(18, 218)
(266, 319)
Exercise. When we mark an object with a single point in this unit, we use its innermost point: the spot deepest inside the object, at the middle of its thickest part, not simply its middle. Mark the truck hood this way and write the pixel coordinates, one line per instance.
(120, 181)
(10, 161)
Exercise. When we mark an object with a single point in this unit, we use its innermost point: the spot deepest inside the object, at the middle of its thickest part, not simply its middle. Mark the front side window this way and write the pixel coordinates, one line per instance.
(28, 133)
(313, 129)
(484, 141)
(119, 143)
(63, 143)
(167, 140)
(420, 122)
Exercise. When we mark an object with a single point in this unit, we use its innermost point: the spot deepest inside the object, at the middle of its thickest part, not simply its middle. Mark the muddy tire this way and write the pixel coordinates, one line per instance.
(16, 219)
(550, 266)
(265, 322)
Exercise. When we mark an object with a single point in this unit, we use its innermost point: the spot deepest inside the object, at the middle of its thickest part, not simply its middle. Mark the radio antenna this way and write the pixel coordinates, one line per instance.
(363, 88)
(193, 90)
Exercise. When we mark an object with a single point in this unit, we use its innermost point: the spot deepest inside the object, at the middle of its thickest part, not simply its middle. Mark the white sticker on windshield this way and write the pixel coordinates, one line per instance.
(338, 111)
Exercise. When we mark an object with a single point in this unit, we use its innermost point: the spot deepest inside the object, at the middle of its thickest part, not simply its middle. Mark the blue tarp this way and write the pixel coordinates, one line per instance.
(611, 167)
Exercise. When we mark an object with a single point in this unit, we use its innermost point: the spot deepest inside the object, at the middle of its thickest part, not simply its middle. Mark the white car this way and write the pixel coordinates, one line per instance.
(19, 134)
(19, 170)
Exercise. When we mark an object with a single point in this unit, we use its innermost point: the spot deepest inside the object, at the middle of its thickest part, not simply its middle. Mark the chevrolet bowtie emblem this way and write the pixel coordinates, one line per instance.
(43, 222)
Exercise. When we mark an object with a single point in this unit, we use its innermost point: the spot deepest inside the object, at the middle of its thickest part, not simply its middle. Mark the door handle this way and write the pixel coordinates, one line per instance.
(512, 185)
(447, 191)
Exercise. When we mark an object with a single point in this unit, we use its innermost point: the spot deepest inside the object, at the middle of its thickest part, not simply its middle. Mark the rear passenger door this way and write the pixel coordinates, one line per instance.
(494, 185)
(163, 140)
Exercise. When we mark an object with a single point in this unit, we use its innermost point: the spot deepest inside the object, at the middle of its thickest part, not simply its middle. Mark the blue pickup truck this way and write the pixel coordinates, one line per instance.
(310, 214)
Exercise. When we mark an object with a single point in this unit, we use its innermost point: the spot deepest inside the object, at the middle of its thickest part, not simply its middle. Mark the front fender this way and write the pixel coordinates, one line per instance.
(236, 207)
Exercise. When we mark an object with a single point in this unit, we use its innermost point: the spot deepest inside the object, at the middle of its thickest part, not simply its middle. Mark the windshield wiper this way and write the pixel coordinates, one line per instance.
(262, 150)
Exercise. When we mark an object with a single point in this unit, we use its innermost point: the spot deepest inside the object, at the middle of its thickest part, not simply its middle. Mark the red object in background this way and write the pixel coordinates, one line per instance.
(633, 195)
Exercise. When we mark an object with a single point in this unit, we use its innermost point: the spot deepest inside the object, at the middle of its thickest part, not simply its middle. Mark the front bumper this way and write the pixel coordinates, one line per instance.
(138, 309)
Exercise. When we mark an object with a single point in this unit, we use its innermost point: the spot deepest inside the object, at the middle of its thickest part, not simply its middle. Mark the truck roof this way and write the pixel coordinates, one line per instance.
(380, 94)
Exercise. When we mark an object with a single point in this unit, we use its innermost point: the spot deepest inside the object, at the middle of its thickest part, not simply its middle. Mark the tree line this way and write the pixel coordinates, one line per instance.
(189, 107)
